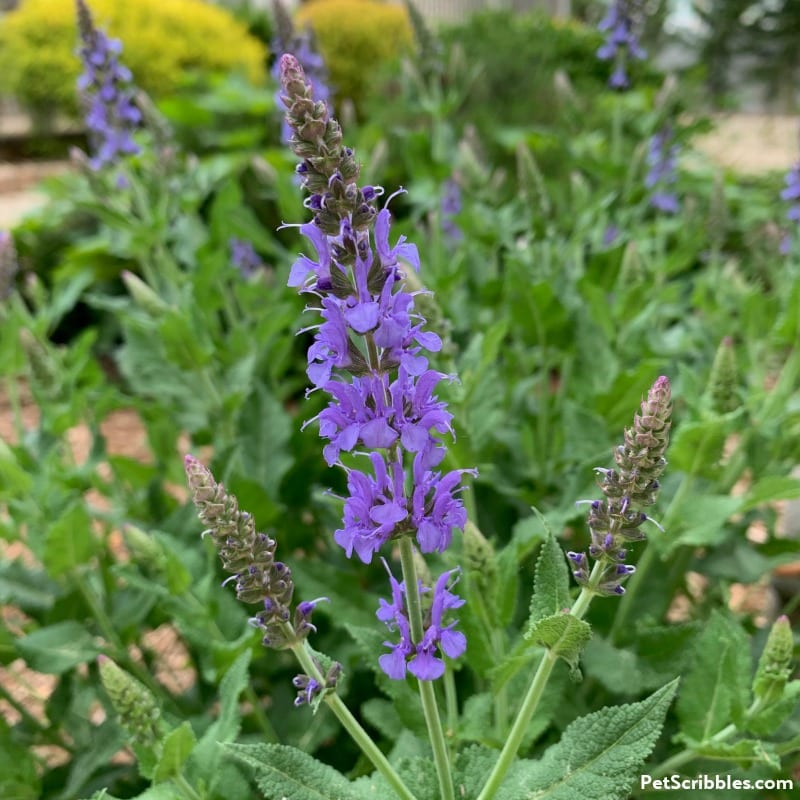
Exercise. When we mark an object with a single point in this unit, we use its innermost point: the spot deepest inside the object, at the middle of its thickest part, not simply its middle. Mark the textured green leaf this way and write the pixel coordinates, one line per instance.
(286, 772)
(716, 686)
(472, 766)
(551, 581)
(176, 749)
(69, 541)
(58, 648)
(206, 757)
(599, 756)
(563, 634)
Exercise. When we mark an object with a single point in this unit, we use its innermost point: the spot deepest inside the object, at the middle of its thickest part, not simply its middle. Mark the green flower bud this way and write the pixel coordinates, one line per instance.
(138, 710)
(143, 295)
(774, 666)
(723, 380)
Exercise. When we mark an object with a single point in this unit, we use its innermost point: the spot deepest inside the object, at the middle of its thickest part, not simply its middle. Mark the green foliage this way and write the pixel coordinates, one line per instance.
(555, 328)
(164, 40)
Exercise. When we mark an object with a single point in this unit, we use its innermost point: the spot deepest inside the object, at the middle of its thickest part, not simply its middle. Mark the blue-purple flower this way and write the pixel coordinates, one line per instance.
(423, 660)
(106, 87)
(450, 207)
(622, 42)
(370, 351)
(791, 194)
(384, 423)
(243, 256)
(662, 159)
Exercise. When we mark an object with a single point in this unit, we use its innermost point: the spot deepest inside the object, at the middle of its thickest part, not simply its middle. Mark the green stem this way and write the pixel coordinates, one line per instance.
(451, 704)
(186, 788)
(120, 654)
(534, 695)
(303, 654)
(426, 693)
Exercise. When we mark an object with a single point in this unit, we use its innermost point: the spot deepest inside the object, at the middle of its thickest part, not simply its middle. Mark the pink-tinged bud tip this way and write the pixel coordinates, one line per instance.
(103, 659)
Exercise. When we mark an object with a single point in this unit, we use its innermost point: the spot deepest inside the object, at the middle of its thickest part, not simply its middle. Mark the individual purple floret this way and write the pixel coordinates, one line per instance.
(243, 256)
(792, 195)
(108, 94)
(662, 158)
(622, 42)
(421, 660)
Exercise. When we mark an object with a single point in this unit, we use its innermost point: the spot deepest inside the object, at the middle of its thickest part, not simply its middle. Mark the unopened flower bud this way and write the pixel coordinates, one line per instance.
(137, 708)
(774, 666)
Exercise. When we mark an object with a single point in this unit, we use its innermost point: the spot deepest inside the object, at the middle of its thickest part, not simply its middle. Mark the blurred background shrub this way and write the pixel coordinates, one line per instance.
(356, 38)
(165, 41)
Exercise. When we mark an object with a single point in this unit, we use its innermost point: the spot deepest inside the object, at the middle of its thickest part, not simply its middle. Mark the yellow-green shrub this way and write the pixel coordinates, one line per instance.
(355, 38)
(162, 41)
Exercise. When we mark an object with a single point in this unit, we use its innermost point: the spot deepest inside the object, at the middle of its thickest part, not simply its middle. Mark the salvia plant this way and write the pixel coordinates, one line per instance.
(395, 619)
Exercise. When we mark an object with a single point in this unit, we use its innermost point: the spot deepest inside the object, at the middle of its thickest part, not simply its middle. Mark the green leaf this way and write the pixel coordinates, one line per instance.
(564, 635)
(472, 766)
(716, 686)
(551, 581)
(599, 756)
(703, 521)
(19, 774)
(766, 722)
(176, 749)
(69, 541)
(262, 454)
(57, 648)
(291, 774)
(697, 447)
(771, 488)
(28, 589)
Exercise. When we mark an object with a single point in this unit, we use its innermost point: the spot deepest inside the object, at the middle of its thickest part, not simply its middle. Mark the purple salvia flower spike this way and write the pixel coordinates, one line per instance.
(791, 194)
(370, 355)
(633, 485)
(622, 42)
(662, 160)
(107, 93)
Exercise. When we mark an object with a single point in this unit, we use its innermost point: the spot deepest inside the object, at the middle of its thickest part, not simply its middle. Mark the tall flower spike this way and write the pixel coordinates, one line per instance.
(8, 264)
(107, 91)
(250, 557)
(370, 351)
(662, 158)
(791, 194)
(616, 520)
(622, 42)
